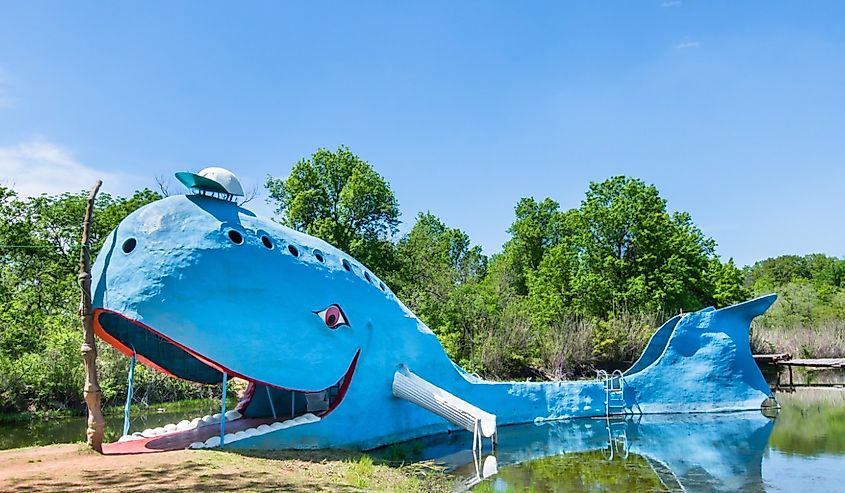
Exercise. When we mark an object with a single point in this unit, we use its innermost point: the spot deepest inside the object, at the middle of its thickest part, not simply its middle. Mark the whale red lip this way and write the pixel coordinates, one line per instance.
(343, 382)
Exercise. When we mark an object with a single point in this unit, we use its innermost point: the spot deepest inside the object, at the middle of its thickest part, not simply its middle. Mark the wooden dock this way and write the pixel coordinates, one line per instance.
(786, 360)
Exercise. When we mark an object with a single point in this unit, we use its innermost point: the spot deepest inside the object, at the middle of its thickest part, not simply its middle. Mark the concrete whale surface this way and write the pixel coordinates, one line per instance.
(198, 287)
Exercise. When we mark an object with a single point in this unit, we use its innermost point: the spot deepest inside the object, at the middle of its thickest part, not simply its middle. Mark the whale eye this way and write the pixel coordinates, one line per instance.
(333, 317)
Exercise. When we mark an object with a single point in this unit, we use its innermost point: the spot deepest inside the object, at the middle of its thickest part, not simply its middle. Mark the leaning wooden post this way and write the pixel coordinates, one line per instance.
(91, 391)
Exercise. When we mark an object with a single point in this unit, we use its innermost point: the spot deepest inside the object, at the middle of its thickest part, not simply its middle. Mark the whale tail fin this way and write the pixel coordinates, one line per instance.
(702, 362)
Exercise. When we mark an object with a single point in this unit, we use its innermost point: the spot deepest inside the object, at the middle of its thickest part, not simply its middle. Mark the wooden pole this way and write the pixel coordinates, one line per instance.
(91, 391)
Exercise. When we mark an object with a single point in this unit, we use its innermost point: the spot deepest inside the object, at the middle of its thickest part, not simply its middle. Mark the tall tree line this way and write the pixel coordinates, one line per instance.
(569, 291)
(621, 255)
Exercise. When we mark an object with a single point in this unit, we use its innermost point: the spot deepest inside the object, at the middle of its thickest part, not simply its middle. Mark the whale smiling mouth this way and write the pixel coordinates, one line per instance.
(265, 406)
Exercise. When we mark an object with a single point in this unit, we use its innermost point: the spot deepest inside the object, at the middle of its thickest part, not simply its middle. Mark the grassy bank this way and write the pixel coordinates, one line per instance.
(72, 468)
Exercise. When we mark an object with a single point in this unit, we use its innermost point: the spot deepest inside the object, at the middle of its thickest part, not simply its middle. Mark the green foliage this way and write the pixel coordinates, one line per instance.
(622, 250)
(360, 472)
(819, 269)
(40, 335)
(811, 300)
(591, 269)
(438, 277)
(569, 291)
(338, 197)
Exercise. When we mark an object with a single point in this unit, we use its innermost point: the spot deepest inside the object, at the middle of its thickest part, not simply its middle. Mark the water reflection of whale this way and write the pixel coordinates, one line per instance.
(699, 452)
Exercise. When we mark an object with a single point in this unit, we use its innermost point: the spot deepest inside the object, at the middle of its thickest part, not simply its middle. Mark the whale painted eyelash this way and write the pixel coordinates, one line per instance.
(333, 316)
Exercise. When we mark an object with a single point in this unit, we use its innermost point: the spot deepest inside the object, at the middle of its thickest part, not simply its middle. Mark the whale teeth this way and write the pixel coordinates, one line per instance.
(253, 432)
(181, 426)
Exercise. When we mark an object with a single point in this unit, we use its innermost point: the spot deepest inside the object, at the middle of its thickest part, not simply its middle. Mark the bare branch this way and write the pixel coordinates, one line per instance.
(163, 183)
(249, 195)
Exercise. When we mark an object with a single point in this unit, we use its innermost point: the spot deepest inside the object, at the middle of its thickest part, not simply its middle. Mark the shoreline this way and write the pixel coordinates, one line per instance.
(75, 468)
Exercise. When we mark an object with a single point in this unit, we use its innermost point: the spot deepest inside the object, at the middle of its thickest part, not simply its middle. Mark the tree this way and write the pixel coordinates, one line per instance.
(39, 297)
(338, 197)
(434, 262)
(621, 249)
(779, 271)
(537, 227)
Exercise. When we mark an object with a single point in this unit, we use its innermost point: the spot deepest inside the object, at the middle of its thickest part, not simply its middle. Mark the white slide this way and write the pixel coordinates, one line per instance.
(457, 411)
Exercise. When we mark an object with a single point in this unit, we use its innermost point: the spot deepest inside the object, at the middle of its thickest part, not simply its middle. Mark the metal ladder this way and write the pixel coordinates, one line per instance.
(614, 391)
(617, 438)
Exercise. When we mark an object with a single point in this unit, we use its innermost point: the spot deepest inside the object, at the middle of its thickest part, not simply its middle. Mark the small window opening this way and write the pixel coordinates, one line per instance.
(319, 256)
(129, 245)
(236, 237)
(265, 240)
(367, 276)
(346, 265)
(293, 251)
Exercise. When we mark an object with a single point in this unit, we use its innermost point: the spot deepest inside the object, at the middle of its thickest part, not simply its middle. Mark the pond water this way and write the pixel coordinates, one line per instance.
(802, 449)
(72, 429)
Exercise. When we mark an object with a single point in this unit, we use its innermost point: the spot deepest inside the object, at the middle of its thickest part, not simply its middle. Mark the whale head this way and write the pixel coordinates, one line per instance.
(196, 286)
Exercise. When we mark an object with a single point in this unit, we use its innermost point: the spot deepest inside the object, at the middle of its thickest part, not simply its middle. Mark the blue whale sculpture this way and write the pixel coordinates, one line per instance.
(198, 288)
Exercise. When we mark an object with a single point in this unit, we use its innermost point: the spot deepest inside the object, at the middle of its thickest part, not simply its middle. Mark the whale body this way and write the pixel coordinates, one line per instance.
(198, 287)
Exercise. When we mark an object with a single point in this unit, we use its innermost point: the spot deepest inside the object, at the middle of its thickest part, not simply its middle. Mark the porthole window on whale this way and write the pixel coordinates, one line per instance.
(381, 285)
(346, 265)
(129, 245)
(267, 242)
(235, 236)
(319, 256)
(293, 251)
(367, 276)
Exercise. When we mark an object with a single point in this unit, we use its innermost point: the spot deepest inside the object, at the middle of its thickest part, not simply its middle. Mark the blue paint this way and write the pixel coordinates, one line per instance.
(131, 382)
(656, 345)
(194, 302)
(701, 452)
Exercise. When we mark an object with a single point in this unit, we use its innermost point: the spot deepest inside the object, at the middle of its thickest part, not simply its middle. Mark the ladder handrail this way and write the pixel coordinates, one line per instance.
(614, 389)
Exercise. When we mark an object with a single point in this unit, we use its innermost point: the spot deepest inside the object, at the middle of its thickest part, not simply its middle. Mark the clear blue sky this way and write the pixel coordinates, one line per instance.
(735, 112)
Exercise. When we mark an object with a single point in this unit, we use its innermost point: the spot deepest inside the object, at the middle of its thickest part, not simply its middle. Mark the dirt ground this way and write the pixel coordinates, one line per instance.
(74, 468)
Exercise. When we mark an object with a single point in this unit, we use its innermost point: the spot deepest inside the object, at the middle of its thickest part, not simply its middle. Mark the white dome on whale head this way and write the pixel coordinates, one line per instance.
(212, 179)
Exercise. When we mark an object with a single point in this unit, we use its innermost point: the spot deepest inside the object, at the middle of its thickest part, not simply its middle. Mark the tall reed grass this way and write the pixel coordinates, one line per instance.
(823, 340)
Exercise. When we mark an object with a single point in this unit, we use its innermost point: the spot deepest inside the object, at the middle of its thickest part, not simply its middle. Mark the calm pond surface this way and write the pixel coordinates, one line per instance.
(72, 429)
(803, 449)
